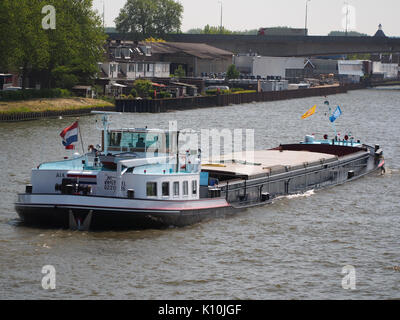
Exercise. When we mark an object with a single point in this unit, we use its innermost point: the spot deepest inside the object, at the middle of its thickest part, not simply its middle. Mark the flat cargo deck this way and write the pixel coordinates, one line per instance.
(263, 162)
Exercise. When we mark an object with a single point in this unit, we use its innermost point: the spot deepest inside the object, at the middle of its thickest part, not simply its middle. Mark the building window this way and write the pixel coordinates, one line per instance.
(140, 67)
(151, 189)
(176, 189)
(131, 67)
(185, 188)
(165, 189)
(126, 53)
(194, 186)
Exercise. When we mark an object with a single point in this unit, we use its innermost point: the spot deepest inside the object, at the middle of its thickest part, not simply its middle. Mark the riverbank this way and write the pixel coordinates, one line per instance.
(54, 107)
(222, 100)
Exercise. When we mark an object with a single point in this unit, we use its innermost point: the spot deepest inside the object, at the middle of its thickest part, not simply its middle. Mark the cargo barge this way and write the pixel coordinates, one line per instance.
(139, 180)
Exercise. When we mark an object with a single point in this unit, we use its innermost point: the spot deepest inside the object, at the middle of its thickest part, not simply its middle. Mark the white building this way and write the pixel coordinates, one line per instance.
(350, 70)
(109, 70)
(389, 70)
(134, 70)
(264, 67)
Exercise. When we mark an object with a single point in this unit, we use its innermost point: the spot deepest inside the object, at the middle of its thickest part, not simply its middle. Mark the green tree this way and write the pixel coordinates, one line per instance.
(179, 72)
(142, 87)
(150, 17)
(24, 41)
(61, 56)
(232, 72)
(217, 30)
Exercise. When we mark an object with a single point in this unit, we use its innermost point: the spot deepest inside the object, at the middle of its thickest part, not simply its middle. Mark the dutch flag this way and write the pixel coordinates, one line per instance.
(70, 135)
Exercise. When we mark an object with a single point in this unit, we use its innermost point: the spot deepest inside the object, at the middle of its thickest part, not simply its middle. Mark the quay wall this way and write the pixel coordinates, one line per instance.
(21, 116)
(185, 103)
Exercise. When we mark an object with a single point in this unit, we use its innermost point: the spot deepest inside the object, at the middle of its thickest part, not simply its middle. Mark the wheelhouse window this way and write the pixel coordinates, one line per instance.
(194, 186)
(185, 188)
(142, 141)
(151, 189)
(176, 189)
(165, 189)
(115, 139)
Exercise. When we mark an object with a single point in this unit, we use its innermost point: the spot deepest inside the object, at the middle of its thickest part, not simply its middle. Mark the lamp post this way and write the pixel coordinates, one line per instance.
(347, 15)
(220, 30)
(305, 26)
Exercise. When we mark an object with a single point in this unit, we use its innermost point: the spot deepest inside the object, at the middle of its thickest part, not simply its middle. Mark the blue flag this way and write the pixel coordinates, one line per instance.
(335, 114)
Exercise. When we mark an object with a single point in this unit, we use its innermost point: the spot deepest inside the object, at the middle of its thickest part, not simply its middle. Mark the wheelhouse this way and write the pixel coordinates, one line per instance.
(143, 141)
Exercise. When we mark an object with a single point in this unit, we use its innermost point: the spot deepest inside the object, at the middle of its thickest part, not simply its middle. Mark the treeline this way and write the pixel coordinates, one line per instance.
(217, 30)
(60, 57)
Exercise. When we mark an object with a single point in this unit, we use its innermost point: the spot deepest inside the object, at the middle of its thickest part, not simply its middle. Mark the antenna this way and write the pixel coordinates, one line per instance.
(104, 10)
(106, 122)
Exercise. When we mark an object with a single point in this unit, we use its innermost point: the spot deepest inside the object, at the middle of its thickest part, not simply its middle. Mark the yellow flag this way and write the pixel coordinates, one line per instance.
(309, 112)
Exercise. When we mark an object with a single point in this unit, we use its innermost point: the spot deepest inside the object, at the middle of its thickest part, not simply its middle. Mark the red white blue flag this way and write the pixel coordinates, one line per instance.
(70, 135)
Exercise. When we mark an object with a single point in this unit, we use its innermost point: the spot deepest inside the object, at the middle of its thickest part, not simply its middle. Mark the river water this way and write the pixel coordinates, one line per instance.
(295, 248)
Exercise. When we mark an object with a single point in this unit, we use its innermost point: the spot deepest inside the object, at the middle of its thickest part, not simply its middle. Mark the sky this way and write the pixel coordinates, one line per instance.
(323, 15)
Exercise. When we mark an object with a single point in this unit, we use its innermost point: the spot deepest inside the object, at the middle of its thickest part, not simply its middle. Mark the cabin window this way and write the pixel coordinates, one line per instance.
(194, 186)
(185, 188)
(165, 189)
(115, 139)
(176, 188)
(151, 188)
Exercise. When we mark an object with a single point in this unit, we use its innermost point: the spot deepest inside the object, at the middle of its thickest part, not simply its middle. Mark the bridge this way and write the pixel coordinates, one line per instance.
(284, 46)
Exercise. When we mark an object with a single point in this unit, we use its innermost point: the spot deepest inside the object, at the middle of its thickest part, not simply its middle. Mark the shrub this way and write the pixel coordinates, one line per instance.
(232, 72)
(142, 87)
(133, 92)
(151, 93)
(165, 94)
(214, 92)
(34, 94)
(236, 89)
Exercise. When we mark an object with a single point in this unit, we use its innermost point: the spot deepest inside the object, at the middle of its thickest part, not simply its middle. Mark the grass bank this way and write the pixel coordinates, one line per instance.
(53, 104)
(50, 107)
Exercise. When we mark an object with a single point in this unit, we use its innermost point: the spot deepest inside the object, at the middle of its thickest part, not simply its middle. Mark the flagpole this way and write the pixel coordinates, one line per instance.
(80, 135)
(330, 115)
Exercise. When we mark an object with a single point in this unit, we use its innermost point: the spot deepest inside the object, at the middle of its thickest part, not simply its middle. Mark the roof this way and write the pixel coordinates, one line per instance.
(380, 32)
(199, 50)
(183, 84)
(82, 88)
